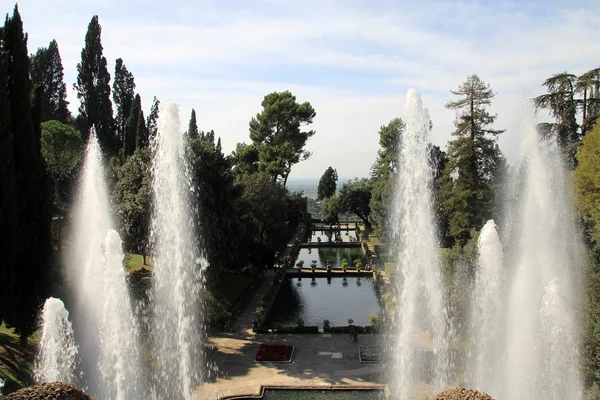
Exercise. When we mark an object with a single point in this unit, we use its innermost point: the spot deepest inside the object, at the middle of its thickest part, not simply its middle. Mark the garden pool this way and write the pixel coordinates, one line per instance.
(317, 299)
(332, 254)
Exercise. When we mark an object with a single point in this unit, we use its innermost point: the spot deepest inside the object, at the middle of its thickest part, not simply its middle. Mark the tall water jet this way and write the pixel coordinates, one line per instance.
(57, 355)
(104, 322)
(487, 311)
(177, 264)
(542, 320)
(423, 316)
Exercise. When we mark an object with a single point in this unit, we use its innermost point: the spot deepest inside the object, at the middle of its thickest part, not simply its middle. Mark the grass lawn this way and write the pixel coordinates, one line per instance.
(134, 262)
(16, 363)
(374, 240)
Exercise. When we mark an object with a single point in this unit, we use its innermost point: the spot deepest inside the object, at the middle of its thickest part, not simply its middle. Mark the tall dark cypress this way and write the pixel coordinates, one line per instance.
(141, 137)
(93, 92)
(123, 93)
(47, 71)
(131, 128)
(152, 120)
(193, 126)
(29, 288)
(8, 191)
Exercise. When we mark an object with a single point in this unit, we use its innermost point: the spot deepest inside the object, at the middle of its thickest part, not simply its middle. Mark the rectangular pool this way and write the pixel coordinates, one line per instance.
(317, 299)
(332, 254)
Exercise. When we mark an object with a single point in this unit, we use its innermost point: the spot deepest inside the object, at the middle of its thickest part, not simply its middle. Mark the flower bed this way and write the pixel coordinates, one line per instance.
(372, 354)
(275, 353)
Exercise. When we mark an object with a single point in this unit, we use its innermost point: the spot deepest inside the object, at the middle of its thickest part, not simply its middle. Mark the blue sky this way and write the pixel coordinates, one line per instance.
(353, 60)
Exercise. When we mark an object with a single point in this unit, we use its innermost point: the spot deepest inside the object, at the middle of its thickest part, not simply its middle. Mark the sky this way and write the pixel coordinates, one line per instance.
(352, 60)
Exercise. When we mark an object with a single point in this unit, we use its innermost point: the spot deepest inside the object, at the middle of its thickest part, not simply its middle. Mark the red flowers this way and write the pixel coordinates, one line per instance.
(275, 352)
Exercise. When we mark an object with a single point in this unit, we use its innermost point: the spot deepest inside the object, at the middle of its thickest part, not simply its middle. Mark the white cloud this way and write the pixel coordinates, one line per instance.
(220, 59)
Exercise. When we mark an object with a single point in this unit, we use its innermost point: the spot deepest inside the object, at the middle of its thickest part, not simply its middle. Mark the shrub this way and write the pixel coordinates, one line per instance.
(374, 320)
(300, 322)
(260, 310)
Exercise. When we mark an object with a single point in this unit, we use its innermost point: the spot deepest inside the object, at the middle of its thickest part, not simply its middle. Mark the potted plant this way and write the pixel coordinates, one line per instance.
(328, 267)
(344, 264)
(299, 265)
(313, 265)
(319, 239)
(357, 264)
(326, 326)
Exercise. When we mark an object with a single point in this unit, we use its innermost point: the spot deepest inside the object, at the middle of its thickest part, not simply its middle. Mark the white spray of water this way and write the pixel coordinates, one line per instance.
(423, 317)
(177, 266)
(542, 324)
(104, 319)
(487, 311)
(57, 355)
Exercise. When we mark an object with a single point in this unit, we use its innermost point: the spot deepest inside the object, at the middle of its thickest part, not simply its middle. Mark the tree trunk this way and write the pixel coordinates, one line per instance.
(144, 257)
(23, 340)
(583, 124)
(59, 244)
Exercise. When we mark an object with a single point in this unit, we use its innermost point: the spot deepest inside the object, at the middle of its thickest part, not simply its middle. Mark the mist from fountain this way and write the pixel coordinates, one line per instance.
(544, 294)
(487, 311)
(178, 264)
(104, 323)
(423, 316)
(57, 355)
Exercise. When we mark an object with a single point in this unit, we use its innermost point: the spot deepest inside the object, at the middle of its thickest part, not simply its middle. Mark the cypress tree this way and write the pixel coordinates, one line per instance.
(131, 129)
(8, 193)
(152, 120)
(141, 137)
(29, 288)
(47, 71)
(93, 92)
(193, 126)
(123, 93)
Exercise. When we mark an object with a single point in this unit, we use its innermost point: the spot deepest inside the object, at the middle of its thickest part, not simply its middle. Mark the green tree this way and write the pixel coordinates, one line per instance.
(8, 190)
(383, 173)
(193, 126)
(152, 120)
(277, 135)
(141, 137)
(245, 159)
(327, 184)
(265, 206)
(131, 129)
(93, 92)
(62, 149)
(132, 197)
(332, 208)
(474, 161)
(355, 197)
(587, 184)
(561, 104)
(588, 85)
(47, 72)
(123, 94)
(29, 278)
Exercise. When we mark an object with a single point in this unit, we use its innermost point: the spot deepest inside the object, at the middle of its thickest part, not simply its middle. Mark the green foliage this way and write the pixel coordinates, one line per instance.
(327, 184)
(245, 159)
(152, 120)
(475, 162)
(62, 148)
(123, 93)
(93, 92)
(131, 128)
(132, 197)
(332, 208)
(560, 102)
(355, 197)
(300, 322)
(193, 126)
(46, 70)
(27, 280)
(276, 134)
(374, 320)
(587, 184)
